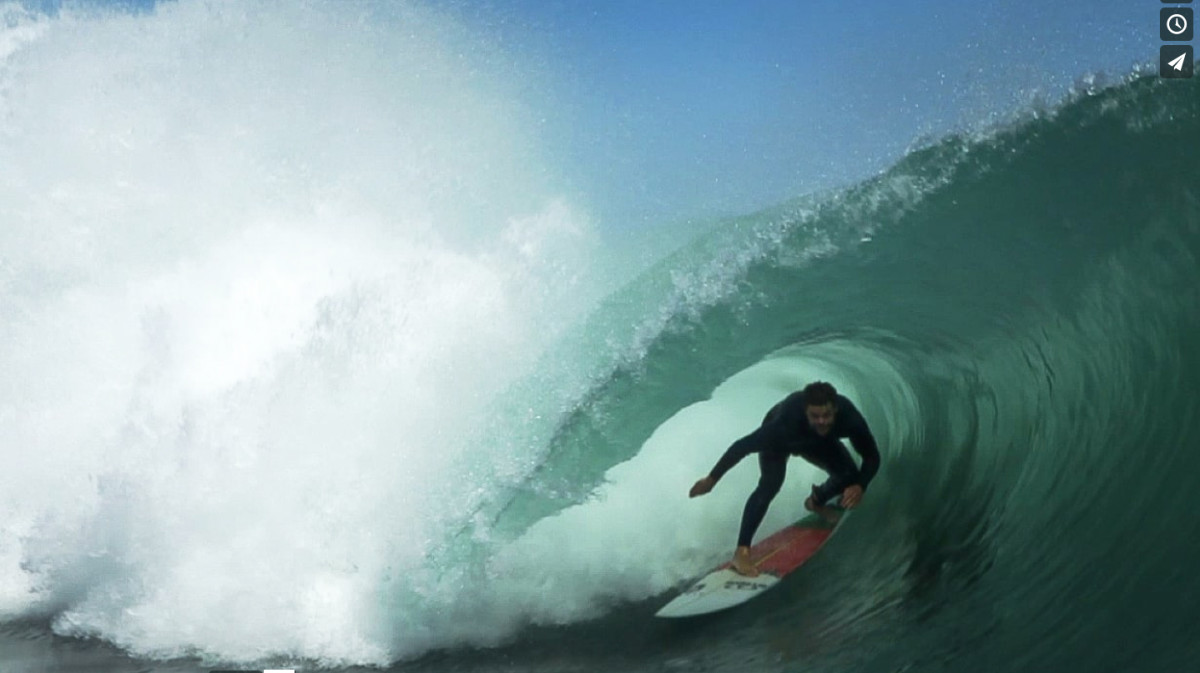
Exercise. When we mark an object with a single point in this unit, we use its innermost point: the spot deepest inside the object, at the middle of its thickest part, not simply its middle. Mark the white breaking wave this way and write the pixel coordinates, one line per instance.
(263, 271)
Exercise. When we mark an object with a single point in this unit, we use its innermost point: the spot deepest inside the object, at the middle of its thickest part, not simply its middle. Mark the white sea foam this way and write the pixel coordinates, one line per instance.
(262, 271)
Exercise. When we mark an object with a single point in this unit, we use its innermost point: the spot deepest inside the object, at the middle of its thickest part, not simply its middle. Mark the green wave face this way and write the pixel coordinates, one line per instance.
(1017, 315)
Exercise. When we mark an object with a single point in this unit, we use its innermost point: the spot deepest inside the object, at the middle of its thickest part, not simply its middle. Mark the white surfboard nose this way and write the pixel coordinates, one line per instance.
(718, 590)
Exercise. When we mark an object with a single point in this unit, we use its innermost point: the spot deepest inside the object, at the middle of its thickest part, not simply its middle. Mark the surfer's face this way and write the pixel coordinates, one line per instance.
(820, 418)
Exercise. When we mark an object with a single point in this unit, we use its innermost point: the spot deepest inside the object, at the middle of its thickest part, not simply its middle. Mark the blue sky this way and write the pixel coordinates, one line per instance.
(685, 109)
(688, 110)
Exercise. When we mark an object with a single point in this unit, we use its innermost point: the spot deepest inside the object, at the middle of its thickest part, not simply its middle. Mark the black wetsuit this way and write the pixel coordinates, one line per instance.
(785, 432)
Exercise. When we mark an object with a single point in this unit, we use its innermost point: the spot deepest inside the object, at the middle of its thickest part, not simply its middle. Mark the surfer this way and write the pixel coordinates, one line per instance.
(808, 423)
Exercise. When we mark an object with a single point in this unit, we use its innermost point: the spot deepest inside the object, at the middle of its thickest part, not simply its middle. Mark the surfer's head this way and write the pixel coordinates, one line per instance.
(820, 406)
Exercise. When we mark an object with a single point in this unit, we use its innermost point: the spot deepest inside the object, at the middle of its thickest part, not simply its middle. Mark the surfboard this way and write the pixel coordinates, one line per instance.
(776, 557)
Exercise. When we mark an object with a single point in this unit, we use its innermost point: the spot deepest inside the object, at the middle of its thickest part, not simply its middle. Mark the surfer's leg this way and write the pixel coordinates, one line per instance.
(773, 468)
(831, 488)
(838, 479)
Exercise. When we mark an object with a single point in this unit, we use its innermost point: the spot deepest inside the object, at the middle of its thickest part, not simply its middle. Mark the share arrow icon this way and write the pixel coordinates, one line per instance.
(1175, 61)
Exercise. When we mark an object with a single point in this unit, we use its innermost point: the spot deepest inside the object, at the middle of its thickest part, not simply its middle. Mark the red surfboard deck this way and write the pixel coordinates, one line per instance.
(789, 548)
(776, 556)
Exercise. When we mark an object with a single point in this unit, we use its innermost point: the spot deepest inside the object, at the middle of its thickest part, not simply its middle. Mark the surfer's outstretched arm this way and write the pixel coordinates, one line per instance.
(733, 455)
(743, 447)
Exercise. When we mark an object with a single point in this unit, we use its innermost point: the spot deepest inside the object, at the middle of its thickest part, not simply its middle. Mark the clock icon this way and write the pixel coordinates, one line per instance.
(1175, 24)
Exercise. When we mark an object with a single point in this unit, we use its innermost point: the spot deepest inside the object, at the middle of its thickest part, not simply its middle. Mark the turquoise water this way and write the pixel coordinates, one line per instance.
(1016, 316)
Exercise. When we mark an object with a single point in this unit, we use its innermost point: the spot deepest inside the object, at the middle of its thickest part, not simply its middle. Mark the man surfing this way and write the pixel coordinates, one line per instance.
(808, 423)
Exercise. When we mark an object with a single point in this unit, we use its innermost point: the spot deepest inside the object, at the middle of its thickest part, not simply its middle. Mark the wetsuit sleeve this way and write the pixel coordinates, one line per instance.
(864, 444)
(743, 447)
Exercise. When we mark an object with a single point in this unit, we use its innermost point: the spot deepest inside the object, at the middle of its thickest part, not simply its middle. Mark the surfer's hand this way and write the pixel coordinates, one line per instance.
(852, 496)
(701, 487)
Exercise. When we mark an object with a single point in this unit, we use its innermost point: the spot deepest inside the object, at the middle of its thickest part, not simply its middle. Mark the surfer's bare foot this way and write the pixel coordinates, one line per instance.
(742, 564)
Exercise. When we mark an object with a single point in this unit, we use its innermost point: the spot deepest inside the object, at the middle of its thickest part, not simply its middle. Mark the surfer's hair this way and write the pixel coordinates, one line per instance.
(820, 393)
